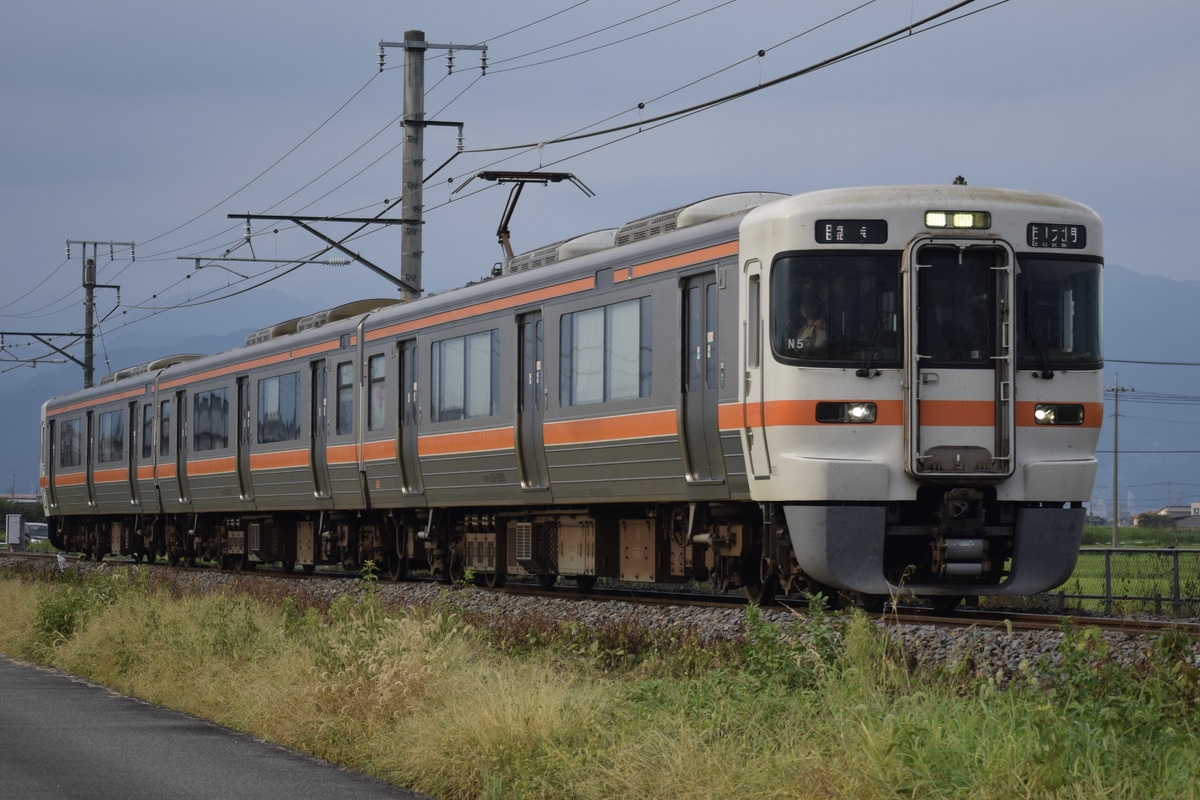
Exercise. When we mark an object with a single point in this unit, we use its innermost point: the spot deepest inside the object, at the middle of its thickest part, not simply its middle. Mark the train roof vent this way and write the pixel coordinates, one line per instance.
(560, 251)
(170, 361)
(546, 254)
(345, 311)
(692, 214)
(268, 333)
(150, 366)
(122, 374)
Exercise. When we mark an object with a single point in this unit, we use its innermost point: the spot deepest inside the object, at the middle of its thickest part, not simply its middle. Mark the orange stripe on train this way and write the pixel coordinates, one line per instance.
(607, 429)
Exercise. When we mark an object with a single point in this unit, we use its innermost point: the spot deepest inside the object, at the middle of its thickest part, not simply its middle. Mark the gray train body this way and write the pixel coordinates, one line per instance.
(631, 404)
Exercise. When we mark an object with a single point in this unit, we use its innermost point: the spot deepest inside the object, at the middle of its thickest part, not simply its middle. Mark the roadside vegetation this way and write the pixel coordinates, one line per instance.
(824, 707)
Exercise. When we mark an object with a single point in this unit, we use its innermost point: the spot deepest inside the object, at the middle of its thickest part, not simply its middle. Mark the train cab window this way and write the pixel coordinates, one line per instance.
(210, 420)
(1058, 313)
(147, 430)
(111, 445)
(70, 443)
(164, 429)
(279, 408)
(836, 308)
(606, 353)
(345, 398)
(376, 399)
(466, 376)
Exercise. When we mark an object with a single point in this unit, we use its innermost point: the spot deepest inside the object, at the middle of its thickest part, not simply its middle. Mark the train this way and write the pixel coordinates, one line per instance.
(865, 392)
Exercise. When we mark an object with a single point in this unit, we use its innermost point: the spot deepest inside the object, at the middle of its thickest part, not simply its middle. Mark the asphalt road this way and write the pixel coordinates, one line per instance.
(64, 737)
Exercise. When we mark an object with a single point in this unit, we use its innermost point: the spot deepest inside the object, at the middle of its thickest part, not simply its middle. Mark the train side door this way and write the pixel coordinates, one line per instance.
(410, 418)
(319, 429)
(90, 463)
(245, 484)
(50, 462)
(530, 401)
(959, 419)
(181, 448)
(754, 397)
(701, 435)
(131, 457)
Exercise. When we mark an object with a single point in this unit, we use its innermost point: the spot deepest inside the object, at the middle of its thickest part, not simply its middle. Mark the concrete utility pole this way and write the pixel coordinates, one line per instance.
(1116, 390)
(89, 304)
(89, 314)
(413, 150)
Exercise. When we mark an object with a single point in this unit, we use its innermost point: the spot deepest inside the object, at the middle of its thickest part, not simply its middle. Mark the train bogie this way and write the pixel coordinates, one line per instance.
(882, 390)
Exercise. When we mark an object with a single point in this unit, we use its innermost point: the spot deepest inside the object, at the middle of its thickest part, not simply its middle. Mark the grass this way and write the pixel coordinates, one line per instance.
(824, 707)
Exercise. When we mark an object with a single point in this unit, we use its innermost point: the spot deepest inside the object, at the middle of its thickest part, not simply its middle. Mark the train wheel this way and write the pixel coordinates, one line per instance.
(289, 567)
(547, 581)
(762, 592)
(309, 569)
(492, 580)
(875, 603)
(454, 570)
(397, 567)
(585, 582)
(830, 596)
(945, 604)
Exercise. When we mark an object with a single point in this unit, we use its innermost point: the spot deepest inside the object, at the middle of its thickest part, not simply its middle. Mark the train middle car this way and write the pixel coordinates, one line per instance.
(882, 390)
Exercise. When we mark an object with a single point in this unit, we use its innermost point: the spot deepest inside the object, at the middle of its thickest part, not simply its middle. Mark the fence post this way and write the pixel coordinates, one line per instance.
(1176, 589)
(1108, 594)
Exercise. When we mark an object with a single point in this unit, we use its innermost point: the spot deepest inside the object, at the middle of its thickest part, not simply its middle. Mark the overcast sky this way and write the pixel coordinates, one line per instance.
(150, 121)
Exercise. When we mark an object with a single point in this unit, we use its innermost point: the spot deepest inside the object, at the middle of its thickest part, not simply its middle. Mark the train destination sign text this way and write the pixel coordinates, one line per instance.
(1046, 234)
(851, 231)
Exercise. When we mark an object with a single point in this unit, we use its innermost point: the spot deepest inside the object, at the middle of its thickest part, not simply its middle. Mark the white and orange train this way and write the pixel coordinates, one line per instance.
(878, 390)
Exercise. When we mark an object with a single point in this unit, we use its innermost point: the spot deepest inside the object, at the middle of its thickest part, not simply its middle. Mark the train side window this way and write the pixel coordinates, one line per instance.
(164, 429)
(376, 398)
(70, 443)
(210, 420)
(279, 408)
(147, 430)
(466, 376)
(111, 444)
(754, 322)
(345, 397)
(606, 353)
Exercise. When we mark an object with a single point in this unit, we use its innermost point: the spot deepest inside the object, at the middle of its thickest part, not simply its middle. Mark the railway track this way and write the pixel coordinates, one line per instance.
(900, 615)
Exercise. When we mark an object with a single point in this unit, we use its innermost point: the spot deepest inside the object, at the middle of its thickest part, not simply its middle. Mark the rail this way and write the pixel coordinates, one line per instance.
(1159, 581)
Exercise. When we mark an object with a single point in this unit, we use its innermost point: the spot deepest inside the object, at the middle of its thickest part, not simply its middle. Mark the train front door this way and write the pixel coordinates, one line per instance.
(959, 418)
(701, 435)
(530, 401)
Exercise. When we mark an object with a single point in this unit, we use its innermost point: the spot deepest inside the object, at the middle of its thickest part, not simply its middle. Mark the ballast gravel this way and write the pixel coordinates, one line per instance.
(988, 653)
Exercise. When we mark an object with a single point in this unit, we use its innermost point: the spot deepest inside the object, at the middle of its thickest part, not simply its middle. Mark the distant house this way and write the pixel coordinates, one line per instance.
(1182, 516)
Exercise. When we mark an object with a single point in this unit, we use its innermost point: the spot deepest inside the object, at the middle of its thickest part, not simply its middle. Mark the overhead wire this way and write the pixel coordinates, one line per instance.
(648, 124)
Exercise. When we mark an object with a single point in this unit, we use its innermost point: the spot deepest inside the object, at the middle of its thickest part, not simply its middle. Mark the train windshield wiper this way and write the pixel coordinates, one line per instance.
(865, 370)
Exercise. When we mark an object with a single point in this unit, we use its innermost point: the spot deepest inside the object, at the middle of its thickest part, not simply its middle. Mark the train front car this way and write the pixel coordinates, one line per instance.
(923, 387)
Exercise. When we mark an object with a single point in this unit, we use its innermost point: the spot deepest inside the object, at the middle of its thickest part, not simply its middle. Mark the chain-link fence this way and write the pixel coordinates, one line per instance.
(1163, 582)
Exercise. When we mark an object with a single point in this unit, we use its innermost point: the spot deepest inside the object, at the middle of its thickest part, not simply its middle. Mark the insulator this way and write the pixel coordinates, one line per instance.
(449, 62)
(337, 262)
(381, 58)
(483, 63)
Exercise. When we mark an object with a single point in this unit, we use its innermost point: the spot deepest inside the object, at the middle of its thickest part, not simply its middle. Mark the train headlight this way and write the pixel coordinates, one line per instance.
(1058, 414)
(846, 412)
(971, 220)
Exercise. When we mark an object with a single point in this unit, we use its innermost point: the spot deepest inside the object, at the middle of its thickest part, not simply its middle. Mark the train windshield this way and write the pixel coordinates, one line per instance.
(836, 308)
(1058, 313)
